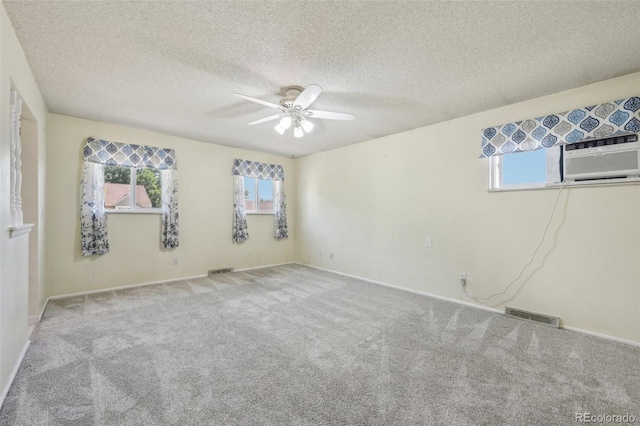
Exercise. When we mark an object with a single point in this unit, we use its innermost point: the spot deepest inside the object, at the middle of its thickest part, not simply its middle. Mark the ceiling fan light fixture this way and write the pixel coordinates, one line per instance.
(307, 126)
(293, 110)
(286, 122)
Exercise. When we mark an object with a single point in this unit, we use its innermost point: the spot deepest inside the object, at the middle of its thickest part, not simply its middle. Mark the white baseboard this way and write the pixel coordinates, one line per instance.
(473, 305)
(602, 336)
(397, 287)
(44, 307)
(34, 319)
(123, 287)
(265, 266)
(5, 391)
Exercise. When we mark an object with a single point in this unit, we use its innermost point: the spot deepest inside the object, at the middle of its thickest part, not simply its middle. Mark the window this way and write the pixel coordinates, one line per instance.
(258, 195)
(128, 189)
(525, 170)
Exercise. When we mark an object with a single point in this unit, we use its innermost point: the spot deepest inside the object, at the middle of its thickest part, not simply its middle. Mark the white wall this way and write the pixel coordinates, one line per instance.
(14, 291)
(373, 204)
(206, 206)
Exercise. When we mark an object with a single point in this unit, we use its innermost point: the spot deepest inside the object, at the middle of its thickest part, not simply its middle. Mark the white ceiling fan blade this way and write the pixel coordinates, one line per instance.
(264, 120)
(258, 101)
(330, 115)
(307, 96)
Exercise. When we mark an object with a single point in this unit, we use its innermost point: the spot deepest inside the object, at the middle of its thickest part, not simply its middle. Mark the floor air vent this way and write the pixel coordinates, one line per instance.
(532, 316)
(219, 271)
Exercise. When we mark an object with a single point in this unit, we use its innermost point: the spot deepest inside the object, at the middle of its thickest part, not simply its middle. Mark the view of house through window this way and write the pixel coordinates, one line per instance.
(258, 195)
(127, 188)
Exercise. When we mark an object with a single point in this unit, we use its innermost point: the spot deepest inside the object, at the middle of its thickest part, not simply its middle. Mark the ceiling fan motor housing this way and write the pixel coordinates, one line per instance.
(291, 93)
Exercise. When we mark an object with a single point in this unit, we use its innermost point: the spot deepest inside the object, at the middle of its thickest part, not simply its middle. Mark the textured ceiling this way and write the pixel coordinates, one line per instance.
(172, 67)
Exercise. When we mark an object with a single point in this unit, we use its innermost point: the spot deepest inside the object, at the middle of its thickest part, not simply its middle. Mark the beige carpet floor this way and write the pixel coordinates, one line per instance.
(292, 345)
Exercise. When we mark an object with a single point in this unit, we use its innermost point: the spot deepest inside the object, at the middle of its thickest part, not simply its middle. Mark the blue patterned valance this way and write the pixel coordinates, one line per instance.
(129, 155)
(258, 170)
(597, 121)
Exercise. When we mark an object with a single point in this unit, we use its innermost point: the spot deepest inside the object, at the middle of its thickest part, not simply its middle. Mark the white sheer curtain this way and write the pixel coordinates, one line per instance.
(170, 228)
(240, 233)
(281, 230)
(93, 218)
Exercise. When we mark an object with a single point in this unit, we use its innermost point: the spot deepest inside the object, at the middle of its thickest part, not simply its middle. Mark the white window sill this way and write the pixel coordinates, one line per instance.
(259, 213)
(15, 231)
(569, 184)
(136, 211)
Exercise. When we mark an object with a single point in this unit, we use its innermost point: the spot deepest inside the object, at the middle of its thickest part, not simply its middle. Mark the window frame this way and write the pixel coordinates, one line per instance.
(132, 196)
(256, 203)
(553, 172)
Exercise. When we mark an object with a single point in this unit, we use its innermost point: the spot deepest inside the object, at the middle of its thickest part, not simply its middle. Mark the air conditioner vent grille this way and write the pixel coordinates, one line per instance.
(602, 159)
(219, 271)
(604, 163)
(532, 316)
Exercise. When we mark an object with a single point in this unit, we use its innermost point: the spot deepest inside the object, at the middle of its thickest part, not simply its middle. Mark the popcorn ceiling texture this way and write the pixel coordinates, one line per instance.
(172, 67)
(291, 345)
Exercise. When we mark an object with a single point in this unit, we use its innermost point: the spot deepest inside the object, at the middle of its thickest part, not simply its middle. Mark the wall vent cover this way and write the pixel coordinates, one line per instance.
(219, 271)
(549, 320)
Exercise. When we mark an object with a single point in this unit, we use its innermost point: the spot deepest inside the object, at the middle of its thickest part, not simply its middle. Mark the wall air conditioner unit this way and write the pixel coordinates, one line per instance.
(607, 158)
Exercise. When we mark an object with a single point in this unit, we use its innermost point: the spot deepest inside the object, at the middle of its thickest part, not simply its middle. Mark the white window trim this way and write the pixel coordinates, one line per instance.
(573, 184)
(136, 211)
(132, 194)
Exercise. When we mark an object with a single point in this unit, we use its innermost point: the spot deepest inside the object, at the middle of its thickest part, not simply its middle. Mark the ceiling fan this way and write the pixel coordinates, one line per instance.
(293, 110)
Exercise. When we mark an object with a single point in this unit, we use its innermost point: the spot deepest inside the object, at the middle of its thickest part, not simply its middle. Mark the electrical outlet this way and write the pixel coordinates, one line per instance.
(428, 243)
(176, 261)
(463, 279)
(331, 256)
(320, 254)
